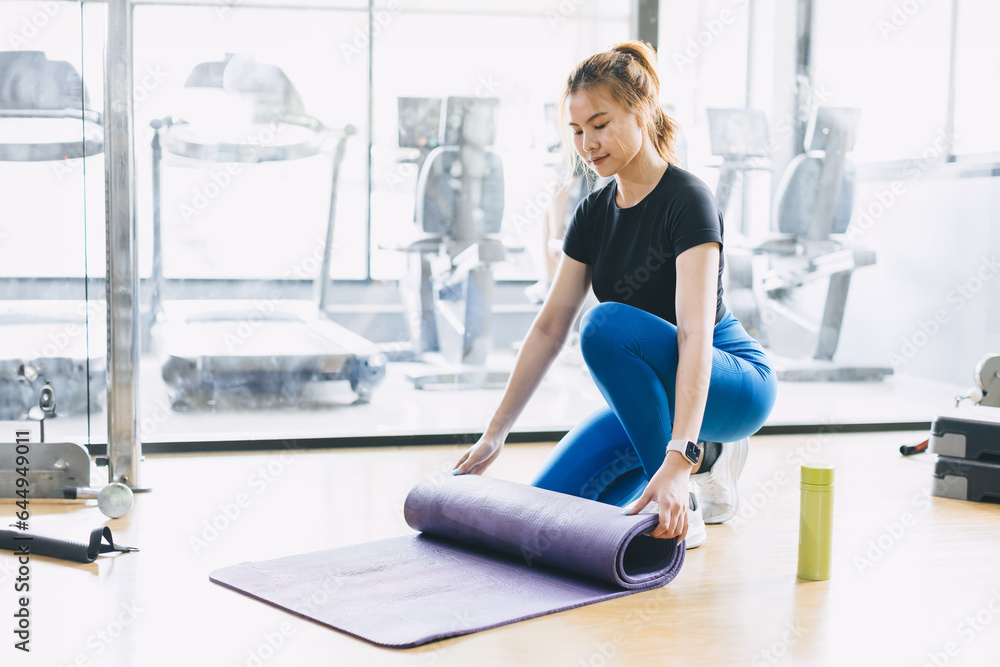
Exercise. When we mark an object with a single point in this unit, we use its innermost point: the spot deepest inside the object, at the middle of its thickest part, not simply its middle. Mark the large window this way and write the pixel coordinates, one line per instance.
(891, 64)
(52, 315)
(247, 113)
(518, 54)
(254, 220)
(244, 115)
(894, 61)
(915, 72)
(977, 100)
(268, 220)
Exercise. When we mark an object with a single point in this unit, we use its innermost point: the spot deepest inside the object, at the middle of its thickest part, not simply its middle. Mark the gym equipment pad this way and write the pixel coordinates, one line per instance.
(489, 552)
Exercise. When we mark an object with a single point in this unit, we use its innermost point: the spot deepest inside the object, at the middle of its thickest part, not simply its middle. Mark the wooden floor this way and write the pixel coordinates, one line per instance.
(916, 579)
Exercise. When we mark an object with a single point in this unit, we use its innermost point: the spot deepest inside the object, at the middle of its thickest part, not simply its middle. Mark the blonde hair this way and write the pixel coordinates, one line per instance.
(627, 74)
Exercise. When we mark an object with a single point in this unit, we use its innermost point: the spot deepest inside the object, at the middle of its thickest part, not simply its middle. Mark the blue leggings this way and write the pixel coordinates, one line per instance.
(632, 356)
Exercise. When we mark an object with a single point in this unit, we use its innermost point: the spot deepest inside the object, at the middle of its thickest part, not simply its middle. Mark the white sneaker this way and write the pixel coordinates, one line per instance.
(718, 486)
(697, 534)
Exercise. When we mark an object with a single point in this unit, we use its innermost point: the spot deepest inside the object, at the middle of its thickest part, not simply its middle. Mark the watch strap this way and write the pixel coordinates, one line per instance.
(687, 448)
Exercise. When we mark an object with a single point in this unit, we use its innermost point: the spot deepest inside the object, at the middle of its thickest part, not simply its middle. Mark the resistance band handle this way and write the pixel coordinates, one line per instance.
(39, 545)
(909, 450)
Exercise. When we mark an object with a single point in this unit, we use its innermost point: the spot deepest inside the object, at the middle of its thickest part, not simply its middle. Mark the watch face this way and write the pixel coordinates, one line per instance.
(693, 452)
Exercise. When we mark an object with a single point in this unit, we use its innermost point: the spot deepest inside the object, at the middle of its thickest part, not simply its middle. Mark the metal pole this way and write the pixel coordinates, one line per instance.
(952, 65)
(803, 71)
(322, 289)
(157, 280)
(124, 448)
(751, 52)
(645, 22)
(370, 139)
(748, 103)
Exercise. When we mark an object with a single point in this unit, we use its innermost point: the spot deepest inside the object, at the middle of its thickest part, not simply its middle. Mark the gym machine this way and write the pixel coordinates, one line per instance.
(813, 205)
(448, 289)
(44, 117)
(32, 469)
(43, 105)
(294, 343)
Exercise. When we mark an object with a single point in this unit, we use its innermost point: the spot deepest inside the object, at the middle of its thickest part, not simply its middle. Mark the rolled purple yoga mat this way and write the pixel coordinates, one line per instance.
(490, 552)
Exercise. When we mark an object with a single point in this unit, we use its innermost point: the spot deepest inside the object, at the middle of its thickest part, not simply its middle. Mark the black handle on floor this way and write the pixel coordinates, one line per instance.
(26, 543)
(910, 450)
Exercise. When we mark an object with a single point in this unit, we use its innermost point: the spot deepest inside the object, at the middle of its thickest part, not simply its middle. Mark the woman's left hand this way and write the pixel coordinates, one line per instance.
(669, 489)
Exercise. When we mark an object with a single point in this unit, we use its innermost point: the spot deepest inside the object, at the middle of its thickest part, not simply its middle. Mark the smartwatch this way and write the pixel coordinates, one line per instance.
(690, 450)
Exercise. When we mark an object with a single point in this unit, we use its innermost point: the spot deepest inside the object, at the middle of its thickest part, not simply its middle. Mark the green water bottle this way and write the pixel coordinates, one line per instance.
(816, 522)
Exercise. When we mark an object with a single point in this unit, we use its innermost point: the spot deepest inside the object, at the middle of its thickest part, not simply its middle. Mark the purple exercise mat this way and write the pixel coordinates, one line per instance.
(491, 552)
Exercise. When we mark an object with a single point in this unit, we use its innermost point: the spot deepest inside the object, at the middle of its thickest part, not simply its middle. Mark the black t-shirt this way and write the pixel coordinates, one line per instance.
(633, 251)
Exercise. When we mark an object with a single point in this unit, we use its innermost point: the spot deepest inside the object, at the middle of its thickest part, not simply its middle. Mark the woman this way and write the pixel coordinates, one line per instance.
(674, 365)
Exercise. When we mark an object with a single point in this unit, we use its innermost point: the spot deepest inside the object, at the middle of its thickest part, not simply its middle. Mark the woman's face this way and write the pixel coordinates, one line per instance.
(605, 135)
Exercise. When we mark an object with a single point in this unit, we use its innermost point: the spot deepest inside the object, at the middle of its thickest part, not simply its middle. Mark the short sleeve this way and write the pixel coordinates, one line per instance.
(698, 222)
(575, 244)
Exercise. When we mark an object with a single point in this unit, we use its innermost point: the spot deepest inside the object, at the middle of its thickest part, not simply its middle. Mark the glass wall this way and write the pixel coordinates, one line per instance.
(273, 89)
(516, 53)
(914, 226)
(334, 199)
(52, 314)
(976, 103)
(921, 204)
(288, 185)
(904, 96)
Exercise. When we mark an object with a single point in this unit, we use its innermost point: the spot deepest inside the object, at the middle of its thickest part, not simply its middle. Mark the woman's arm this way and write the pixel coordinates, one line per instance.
(697, 289)
(545, 338)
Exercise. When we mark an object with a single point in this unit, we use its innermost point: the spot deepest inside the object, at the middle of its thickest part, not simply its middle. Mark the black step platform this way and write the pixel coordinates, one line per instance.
(966, 480)
(971, 433)
(967, 442)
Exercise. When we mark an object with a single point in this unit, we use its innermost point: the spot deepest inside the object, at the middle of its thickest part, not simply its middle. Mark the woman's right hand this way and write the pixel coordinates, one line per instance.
(479, 456)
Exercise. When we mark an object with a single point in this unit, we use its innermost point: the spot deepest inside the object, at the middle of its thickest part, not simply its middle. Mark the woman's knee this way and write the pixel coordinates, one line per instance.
(597, 321)
(597, 331)
(610, 327)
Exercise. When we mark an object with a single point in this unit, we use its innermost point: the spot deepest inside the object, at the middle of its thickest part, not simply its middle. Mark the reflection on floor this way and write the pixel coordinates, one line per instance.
(566, 395)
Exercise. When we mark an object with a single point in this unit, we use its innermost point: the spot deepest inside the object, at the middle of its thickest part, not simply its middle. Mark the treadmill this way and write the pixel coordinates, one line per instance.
(294, 343)
(48, 347)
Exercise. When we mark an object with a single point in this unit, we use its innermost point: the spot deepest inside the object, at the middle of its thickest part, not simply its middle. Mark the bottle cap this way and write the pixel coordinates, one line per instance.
(817, 473)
